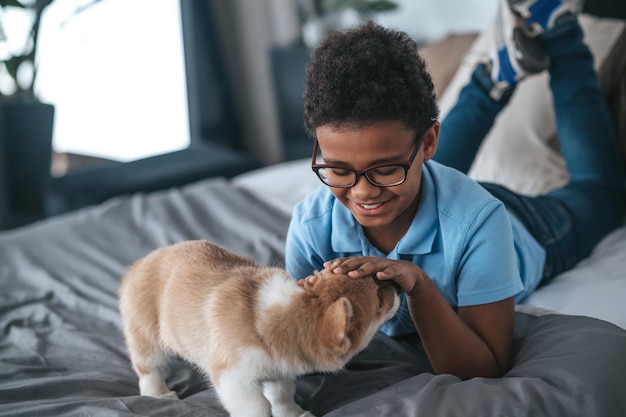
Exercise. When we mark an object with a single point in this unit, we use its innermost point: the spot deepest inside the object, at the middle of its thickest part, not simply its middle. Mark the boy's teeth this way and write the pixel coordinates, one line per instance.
(370, 206)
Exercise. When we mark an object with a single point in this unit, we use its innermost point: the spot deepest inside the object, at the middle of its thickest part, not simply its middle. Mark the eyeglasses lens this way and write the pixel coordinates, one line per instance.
(382, 176)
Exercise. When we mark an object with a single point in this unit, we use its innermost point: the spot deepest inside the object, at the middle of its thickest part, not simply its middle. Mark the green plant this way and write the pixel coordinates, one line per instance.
(23, 61)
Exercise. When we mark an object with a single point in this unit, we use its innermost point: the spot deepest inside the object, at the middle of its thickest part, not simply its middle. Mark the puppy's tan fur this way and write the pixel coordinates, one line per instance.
(251, 329)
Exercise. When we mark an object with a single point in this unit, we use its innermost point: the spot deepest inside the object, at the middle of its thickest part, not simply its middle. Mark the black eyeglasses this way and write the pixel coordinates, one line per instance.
(380, 175)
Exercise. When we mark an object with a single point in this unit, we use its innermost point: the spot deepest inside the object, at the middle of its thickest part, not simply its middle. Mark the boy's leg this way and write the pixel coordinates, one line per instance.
(468, 122)
(586, 133)
(596, 193)
(569, 222)
(513, 57)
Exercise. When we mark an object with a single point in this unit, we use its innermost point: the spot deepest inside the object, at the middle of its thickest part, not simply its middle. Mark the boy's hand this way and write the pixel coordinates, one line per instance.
(404, 273)
(310, 279)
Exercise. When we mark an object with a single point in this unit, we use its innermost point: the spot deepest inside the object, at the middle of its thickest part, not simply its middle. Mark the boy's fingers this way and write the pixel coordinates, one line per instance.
(334, 263)
(383, 275)
(311, 279)
(355, 274)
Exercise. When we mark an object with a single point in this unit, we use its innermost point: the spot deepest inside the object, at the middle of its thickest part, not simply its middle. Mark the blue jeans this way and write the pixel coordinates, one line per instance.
(570, 221)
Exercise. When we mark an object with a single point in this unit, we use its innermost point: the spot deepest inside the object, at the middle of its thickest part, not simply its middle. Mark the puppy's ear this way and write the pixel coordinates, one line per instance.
(336, 323)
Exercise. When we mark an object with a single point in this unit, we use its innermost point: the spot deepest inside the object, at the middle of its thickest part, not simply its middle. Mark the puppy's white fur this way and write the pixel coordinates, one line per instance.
(251, 329)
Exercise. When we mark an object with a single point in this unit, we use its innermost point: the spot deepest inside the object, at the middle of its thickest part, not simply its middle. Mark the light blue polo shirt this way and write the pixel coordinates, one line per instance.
(461, 236)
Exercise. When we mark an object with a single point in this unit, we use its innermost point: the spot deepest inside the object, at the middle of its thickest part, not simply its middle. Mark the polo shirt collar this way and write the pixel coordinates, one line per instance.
(420, 237)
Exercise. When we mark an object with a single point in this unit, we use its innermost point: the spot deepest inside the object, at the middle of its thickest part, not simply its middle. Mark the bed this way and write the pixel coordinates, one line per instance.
(62, 351)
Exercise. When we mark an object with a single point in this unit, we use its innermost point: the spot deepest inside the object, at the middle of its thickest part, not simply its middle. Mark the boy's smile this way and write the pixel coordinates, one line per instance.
(384, 212)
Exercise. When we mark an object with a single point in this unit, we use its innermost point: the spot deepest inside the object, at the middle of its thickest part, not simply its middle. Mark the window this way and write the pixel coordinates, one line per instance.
(115, 73)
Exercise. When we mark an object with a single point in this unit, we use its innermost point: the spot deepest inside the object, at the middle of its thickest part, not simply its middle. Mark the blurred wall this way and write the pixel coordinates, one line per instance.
(249, 28)
(429, 20)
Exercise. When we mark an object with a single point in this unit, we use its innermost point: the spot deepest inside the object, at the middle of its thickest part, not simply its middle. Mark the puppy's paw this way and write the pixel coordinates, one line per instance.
(171, 395)
(294, 411)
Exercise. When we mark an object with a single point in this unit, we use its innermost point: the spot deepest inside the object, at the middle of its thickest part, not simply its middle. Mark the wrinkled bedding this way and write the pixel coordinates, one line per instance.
(62, 351)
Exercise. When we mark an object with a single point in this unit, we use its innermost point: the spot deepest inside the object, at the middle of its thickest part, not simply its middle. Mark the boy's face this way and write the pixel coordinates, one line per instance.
(385, 212)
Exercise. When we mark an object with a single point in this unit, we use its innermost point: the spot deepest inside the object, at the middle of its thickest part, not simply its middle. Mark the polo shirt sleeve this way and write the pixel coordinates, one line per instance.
(488, 269)
(301, 255)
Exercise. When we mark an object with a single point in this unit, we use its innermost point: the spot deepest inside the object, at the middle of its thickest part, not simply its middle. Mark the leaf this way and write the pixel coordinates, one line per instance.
(12, 3)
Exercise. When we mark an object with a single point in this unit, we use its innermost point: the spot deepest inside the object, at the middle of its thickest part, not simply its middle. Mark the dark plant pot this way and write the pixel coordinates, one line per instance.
(27, 135)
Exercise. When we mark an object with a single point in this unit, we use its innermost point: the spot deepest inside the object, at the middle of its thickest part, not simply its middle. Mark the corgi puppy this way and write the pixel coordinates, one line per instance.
(252, 330)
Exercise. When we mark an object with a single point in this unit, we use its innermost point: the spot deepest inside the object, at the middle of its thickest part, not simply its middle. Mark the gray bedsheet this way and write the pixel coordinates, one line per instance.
(62, 351)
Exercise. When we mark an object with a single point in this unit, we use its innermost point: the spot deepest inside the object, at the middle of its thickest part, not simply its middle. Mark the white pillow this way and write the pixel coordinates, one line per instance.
(520, 151)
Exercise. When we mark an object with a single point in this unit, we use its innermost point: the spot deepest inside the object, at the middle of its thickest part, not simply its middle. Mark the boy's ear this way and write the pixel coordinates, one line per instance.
(431, 139)
(336, 324)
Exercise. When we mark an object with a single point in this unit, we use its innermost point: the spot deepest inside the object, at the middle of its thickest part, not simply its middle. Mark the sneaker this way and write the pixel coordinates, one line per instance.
(515, 54)
(539, 16)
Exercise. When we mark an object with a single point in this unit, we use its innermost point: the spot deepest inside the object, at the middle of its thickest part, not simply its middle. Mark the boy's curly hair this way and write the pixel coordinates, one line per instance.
(368, 74)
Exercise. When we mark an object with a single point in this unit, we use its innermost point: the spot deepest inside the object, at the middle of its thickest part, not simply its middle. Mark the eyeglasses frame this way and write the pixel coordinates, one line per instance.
(404, 165)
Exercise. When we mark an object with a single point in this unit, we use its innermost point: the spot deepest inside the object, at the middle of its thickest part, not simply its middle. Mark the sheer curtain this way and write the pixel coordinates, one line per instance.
(247, 30)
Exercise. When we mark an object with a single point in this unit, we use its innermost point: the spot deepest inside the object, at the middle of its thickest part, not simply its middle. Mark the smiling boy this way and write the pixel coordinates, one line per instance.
(461, 252)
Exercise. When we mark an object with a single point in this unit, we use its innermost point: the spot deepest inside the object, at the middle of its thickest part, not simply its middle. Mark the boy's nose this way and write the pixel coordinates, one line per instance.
(364, 188)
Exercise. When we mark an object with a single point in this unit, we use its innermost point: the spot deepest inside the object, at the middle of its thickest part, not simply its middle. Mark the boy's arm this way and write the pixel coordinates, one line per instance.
(301, 255)
(475, 341)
